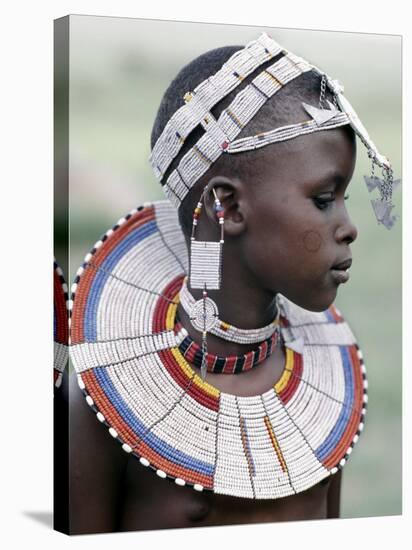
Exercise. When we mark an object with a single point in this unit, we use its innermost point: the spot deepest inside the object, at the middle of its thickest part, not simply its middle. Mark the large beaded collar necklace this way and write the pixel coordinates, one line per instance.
(138, 383)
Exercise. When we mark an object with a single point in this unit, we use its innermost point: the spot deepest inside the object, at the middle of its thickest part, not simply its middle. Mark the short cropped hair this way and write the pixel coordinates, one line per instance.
(277, 111)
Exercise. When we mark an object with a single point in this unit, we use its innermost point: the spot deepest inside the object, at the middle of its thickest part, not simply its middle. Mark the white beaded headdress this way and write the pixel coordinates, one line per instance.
(220, 134)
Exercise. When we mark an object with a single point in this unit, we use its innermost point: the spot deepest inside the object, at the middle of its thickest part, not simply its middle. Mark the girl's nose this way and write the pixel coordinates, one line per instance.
(346, 231)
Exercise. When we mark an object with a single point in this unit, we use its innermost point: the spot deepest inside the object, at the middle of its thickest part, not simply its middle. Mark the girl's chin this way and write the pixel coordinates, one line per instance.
(319, 303)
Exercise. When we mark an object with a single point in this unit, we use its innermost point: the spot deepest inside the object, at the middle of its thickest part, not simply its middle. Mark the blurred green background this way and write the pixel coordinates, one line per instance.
(119, 69)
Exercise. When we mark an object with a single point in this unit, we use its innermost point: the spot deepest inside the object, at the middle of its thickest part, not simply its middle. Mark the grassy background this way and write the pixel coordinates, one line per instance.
(119, 69)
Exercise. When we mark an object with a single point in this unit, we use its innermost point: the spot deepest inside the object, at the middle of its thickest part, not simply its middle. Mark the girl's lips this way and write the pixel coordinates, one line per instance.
(340, 275)
(340, 271)
(343, 265)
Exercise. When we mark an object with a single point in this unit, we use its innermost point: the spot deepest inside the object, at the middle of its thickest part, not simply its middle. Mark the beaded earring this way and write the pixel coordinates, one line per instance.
(206, 274)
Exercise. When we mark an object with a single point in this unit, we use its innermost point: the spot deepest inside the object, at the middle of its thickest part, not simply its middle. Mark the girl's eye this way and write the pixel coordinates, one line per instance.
(323, 201)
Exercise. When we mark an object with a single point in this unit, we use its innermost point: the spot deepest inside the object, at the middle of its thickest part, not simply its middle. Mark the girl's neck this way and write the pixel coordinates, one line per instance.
(239, 304)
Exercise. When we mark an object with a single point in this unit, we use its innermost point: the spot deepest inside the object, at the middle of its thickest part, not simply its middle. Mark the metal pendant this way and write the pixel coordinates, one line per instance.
(373, 182)
(320, 116)
(203, 368)
(382, 211)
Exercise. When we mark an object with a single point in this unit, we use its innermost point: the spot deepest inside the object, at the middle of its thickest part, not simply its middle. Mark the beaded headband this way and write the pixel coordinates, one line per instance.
(220, 135)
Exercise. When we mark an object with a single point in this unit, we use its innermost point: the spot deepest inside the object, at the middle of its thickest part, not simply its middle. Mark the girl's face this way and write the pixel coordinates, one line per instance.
(298, 226)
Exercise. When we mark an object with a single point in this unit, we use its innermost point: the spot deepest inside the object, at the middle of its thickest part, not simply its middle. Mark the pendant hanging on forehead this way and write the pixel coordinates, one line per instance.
(320, 116)
(374, 182)
(383, 206)
(382, 211)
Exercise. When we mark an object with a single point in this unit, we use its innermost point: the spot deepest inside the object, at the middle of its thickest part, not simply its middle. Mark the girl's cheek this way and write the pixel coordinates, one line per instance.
(312, 240)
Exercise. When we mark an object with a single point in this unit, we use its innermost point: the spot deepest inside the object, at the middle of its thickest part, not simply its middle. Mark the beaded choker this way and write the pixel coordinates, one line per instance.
(232, 364)
(140, 386)
(226, 330)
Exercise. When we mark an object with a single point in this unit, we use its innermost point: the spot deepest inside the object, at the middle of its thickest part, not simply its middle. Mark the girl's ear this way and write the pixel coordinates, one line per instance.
(229, 191)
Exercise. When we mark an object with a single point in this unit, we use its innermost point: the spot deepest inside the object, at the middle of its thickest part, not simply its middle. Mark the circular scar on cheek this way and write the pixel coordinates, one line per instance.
(312, 241)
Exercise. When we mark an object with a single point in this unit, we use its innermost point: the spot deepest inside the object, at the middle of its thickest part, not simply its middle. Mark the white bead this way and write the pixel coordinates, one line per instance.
(80, 382)
(100, 417)
(180, 481)
(113, 432)
(144, 461)
(161, 473)
(88, 257)
(126, 448)
(334, 470)
(198, 487)
(89, 400)
(73, 288)
(342, 462)
(348, 452)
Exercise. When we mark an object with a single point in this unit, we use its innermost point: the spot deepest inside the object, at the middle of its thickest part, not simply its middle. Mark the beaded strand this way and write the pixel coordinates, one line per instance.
(231, 364)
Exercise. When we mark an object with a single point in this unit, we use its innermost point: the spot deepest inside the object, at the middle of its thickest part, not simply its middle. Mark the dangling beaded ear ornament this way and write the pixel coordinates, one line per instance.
(205, 274)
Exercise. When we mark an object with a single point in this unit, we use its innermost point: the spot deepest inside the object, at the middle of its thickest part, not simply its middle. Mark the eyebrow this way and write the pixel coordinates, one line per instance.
(333, 177)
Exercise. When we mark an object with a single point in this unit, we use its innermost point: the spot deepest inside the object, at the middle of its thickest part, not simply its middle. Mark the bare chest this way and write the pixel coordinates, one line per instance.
(149, 502)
